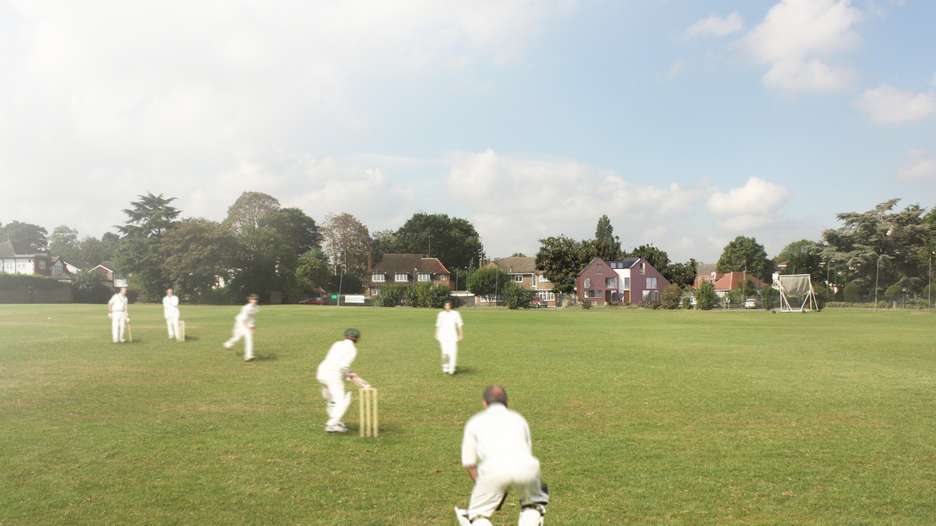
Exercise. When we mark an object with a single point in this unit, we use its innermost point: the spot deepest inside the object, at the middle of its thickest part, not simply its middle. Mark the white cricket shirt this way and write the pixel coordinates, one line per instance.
(496, 435)
(248, 314)
(447, 324)
(171, 306)
(338, 360)
(118, 303)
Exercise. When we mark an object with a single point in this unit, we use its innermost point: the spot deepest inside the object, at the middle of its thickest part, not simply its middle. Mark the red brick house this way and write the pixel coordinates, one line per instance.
(523, 271)
(724, 282)
(406, 269)
(628, 281)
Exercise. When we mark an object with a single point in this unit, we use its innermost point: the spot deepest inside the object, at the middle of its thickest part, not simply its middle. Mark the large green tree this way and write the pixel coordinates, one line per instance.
(93, 251)
(607, 245)
(347, 244)
(249, 210)
(451, 239)
(487, 281)
(196, 256)
(682, 274)
(653, 254)
(803, 257)
(148, 219)
(313, 270)
(27, 238)
(562, 259)
(63, 243)
(745, 254)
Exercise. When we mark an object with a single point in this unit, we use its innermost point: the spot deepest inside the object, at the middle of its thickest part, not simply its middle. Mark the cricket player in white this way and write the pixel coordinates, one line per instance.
(332, 372)
(497, 452)
(449, 331)
(244, 327)
(171, 313)
(119, 314)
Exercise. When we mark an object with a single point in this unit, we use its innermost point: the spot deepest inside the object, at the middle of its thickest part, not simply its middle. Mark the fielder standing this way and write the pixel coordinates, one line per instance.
(449, 331)
(497, 452)
(245, 324)
(332, 372)
(171, 313)
(119, 314)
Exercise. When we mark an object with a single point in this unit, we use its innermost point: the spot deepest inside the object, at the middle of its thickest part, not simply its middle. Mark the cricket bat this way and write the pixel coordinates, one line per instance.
(129, 331)
(180, 336)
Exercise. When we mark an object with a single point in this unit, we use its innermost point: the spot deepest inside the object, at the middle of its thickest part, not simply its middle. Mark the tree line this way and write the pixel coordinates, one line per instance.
(884, 253)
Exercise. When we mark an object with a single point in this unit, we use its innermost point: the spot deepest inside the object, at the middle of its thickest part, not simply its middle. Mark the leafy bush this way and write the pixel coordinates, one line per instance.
(391, 295)
(671, 296)
(587, 303)
(706, 299)
(517, 297)
(487, 281)
(438, 295)
(854, 292)
(894, 292)
(687, 302)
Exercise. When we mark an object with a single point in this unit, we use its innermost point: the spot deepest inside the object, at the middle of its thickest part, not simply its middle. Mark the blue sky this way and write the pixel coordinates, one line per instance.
(687, 122)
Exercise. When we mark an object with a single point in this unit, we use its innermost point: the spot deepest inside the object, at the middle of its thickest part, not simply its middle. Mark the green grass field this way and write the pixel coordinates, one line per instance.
(638, 417)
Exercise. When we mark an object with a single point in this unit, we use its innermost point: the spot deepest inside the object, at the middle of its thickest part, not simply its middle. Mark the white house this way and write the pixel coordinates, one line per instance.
(12, 262)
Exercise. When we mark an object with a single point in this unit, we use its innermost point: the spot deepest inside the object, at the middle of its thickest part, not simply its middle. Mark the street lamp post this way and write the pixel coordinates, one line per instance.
(930, 288)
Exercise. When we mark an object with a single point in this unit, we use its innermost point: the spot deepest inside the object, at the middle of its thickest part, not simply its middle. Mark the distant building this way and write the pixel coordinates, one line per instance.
(629, 281)
(15, 262)
(105, 273)
(724, 282)
(63, 270)
(406, 269)
(523, 271)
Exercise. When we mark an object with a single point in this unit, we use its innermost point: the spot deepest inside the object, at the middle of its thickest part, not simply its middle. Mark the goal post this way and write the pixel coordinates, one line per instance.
(796, 292)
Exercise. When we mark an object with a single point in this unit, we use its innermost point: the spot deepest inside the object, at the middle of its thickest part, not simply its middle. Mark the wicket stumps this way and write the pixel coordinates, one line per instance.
(368, 405)
(180, 334)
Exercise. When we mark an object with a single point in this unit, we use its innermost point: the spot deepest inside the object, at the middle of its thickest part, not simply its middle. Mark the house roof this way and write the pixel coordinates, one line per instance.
(623, 263)
(517, 264)
(406, 263)
(734, 280)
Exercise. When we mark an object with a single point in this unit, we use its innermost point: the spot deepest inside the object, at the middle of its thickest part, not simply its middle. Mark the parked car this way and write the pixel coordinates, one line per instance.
(751, 303)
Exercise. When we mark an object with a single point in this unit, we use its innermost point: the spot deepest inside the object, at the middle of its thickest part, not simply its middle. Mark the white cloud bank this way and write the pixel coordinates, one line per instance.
(716, 26)
(797, 39)
(748, 207)
(889, 106)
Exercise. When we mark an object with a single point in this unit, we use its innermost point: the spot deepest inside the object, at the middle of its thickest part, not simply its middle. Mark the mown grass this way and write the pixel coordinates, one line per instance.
(638, 417)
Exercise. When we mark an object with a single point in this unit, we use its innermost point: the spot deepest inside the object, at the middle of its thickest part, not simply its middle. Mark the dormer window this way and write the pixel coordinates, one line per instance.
(424, 277)
(378, 278)
(401, 278)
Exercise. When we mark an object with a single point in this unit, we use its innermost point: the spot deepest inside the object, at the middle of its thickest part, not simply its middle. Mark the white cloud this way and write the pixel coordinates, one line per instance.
(933, 81)
(716, 26)
(750, 206)
(797, 39)
(889, 106)
(919, 166)
(109, 99)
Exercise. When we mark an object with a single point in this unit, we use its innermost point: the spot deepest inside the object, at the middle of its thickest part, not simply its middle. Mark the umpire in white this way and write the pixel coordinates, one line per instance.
(497, 452)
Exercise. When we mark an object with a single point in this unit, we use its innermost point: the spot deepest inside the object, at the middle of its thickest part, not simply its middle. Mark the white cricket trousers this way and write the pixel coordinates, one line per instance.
(498, 476)
(337, 400)
(118, 326)
(449, 355)
(172, 326)
(240, 331)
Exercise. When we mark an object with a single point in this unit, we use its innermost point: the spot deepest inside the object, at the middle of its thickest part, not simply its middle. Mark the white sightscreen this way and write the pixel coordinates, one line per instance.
(795, 284)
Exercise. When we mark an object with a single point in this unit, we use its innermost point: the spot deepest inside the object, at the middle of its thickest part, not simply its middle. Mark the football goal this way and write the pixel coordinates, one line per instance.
(796, 293)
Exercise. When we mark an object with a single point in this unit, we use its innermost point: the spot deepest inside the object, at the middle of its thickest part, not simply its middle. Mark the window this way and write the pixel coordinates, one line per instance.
(610, 283)
(587, 283)
(651, 284)
(401, 277)
(424, 277)
(643, 267)
(592, 293)
(543, 278)
(378, 278)
(626, 282)
(518, 278)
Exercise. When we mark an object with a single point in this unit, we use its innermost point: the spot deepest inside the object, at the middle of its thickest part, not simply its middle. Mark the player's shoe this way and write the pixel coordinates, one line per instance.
(227, 345)
(462, 517)
(336, 428)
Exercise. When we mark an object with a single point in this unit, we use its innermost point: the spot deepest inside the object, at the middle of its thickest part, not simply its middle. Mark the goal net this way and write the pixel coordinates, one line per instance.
(796, 292)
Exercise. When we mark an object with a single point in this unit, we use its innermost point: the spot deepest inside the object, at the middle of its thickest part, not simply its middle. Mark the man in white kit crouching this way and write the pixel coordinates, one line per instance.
(497, 452)
(332, 372)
